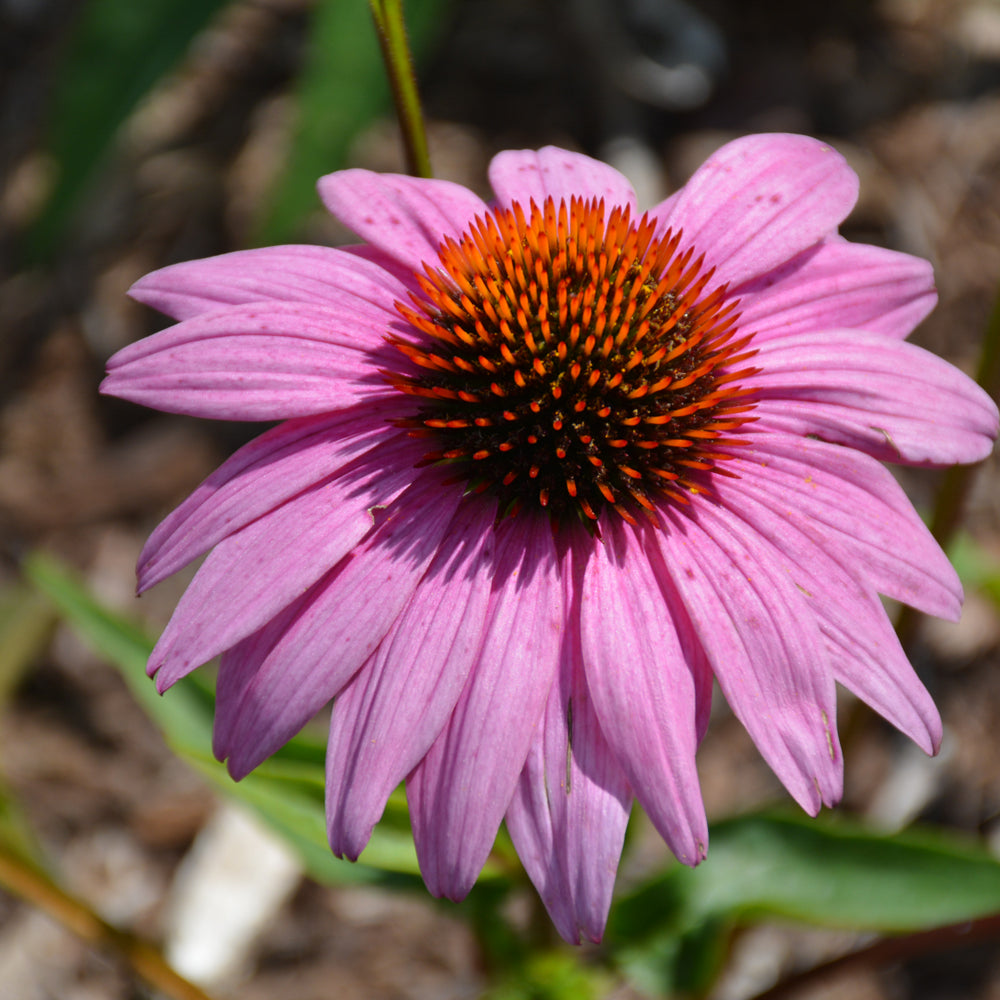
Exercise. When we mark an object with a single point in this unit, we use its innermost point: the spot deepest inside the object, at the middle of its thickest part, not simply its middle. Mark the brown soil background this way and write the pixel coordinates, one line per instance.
(907, 89)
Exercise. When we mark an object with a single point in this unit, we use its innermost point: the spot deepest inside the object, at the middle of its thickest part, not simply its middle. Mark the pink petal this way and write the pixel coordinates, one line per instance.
(873, 666)
(238, 666)
(388, 716)
(856, 506)
(893, 400)
(569, 812)
(255, 362)
(404, 275)
(460, 791)
(249, 577)
(839, 284)
(864, 652)
(526, 175)
(697, 660)
(320, 275)
(301, 661)
(571, 806)
(262, 475)
(765, 649)
(759, 201)
(405, 217)
(643, 688)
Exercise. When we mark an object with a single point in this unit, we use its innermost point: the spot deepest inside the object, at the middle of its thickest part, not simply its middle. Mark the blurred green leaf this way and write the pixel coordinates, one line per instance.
(552, 975)
(342, 89)
(838, 873)
(15, 832)
(26, 621)
(978, 568)
(116, 52)
(829, 872)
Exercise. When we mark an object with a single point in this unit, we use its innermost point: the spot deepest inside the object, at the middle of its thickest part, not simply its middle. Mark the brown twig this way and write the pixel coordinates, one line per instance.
(887, 950)
(27, 882)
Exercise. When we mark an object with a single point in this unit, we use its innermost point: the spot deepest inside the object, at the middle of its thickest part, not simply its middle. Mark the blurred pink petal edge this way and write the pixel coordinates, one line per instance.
(515, 663)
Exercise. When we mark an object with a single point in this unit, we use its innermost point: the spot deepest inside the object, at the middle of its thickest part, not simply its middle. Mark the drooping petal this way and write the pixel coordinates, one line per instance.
(306, 661)
(893, 400)
(405, 217)
(765, 649)
(255, 362)
(526, 175)
(249, 577)
(839, 284)
(460, 791)
(643, 688)
(864, 652)
(861, 510)
(386, 719)
(264, 474)
(759, 201)
(320, 275)
(568, 815)
(569, 812)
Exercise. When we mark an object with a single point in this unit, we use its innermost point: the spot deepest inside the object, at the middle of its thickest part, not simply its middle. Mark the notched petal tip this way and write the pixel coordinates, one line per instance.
(929, 736)
(159, 677)
(237, 770)
(696, 856)
(935, 736)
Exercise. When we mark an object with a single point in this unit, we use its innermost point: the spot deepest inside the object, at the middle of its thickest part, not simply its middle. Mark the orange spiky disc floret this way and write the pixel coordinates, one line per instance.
(575, 363)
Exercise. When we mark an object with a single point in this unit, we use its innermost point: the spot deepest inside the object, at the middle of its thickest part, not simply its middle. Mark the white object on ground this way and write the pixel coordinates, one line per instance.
(232, 882)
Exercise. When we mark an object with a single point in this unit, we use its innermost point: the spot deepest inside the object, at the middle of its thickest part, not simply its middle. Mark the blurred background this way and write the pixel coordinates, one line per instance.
(136, 135)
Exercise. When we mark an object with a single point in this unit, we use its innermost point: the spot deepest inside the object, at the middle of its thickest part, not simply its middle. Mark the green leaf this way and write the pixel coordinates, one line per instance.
(837, 873)
(829, 872)
(117, 51)
(15, 832)
(978, 568)
(342, 89)
(26, 622)
(552, 975)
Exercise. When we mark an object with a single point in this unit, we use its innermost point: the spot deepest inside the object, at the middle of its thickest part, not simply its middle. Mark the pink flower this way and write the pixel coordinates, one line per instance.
(547, 468)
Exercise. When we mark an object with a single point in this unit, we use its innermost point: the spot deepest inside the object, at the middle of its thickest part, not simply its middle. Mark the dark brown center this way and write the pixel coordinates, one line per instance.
(574, 363)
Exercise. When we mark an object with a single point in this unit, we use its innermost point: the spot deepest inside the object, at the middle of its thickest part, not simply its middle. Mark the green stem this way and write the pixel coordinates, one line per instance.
(391, 30)
(27, 882)
(957, 481)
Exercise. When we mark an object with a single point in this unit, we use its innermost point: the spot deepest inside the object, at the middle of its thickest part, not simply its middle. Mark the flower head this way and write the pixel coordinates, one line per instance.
(548, 467)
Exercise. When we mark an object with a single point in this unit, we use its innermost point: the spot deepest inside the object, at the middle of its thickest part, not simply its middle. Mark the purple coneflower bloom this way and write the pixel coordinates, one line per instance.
(548, 467)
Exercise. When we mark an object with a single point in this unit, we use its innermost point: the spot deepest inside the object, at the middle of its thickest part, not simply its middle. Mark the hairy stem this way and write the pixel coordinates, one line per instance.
(391, 30)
